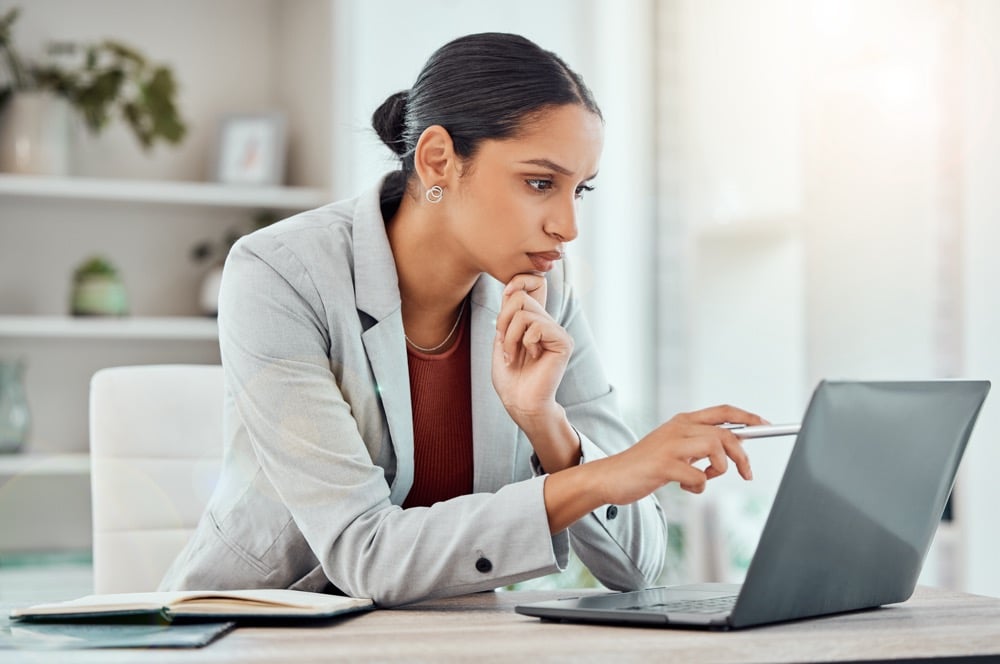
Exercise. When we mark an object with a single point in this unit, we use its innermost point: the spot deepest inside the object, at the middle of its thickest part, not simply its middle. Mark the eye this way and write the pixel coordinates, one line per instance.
(582, 189)
(540, 185)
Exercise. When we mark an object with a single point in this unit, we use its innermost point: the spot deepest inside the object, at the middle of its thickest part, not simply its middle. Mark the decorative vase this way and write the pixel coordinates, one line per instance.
(35, 134)
(15, 418)
(99, 295)
(208, 299)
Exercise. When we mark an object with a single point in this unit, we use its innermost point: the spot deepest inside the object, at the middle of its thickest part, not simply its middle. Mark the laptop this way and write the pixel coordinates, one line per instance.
(855, 512)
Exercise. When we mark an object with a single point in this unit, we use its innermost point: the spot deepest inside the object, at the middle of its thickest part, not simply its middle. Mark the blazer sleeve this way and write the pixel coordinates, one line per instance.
(275, 342)
(624, 546)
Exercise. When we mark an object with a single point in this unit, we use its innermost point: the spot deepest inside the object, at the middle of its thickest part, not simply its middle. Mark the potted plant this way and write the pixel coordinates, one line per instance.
(98, 290)
(214, 253)
(98, 81)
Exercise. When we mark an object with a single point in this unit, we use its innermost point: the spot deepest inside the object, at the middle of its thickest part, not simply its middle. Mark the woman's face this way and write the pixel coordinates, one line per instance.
(515, 206)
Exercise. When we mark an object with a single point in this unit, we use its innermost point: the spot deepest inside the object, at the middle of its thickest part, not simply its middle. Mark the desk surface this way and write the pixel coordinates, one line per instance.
(484, 627)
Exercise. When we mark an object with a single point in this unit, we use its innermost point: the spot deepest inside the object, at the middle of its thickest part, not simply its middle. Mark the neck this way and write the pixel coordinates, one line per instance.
(432, 282)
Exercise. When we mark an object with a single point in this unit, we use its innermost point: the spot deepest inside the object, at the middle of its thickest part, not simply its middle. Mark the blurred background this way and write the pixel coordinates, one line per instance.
(790, 190)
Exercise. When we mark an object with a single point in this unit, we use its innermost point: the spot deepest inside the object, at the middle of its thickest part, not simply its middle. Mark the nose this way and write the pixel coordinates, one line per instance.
(562, 223)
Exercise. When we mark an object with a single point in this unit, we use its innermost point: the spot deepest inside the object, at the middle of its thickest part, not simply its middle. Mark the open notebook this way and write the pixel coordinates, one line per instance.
(262, 603)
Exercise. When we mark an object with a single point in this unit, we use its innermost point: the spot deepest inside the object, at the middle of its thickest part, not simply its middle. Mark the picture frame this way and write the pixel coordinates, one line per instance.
(251, 149)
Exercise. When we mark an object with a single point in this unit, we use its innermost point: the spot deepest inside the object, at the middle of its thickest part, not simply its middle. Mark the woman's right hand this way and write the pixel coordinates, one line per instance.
(669, 452)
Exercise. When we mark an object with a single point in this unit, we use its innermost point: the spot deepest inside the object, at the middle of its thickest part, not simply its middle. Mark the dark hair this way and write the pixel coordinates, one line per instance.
(478, 87)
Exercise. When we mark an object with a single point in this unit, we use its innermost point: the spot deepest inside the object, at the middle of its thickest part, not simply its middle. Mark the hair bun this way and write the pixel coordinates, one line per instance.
(389, 121)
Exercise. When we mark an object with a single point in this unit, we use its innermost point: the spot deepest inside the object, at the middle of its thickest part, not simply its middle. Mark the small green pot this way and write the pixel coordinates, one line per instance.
(99, 296)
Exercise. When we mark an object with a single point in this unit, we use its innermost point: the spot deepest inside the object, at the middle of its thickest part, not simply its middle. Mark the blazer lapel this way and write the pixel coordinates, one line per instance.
(387, 353)
(376, 291)
(494, 433)
(376, 285)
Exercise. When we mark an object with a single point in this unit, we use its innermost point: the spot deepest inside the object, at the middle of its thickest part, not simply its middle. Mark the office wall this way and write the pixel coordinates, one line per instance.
(979, 490)
(730, 257)
(901, 172)
(872, 188)
(834, 166)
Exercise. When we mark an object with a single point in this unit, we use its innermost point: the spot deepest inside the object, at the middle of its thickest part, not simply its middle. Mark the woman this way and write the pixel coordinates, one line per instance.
(414, 403)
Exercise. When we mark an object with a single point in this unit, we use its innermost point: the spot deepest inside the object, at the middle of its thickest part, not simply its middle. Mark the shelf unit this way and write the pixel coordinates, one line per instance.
(147, 328)
(148, 229)
(22, 465)
(68, 329)
(161, 192)
(144, 211)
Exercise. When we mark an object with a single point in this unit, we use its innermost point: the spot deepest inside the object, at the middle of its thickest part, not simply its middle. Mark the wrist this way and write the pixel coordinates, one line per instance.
(572, 494)
(555, 441)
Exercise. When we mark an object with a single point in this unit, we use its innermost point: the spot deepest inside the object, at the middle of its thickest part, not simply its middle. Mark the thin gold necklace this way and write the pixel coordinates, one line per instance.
(454, 327)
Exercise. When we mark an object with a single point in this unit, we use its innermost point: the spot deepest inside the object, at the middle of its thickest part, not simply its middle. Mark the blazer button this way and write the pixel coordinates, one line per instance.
(612, 512)
(484, 565)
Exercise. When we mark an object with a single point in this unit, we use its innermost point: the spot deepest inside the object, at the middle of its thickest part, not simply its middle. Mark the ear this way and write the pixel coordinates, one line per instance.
(434, 158)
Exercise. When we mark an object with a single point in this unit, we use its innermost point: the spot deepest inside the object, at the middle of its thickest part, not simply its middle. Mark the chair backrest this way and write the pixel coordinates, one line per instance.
(156, 450)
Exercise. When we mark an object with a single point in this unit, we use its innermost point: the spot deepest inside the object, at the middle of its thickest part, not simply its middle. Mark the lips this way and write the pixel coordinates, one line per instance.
(544, 260)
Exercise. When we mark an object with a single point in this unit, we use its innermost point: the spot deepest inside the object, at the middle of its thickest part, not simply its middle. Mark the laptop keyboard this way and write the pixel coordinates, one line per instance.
(722, 604)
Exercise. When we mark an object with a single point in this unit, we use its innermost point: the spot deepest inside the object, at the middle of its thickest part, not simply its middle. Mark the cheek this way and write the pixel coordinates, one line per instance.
(502, 221)
(504, 201)
(524, 208)
(500, 215)
(514, 224)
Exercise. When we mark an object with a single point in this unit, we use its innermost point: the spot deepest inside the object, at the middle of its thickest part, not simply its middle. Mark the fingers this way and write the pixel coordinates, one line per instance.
(718, 446)
(532, 284)
(704, 423)
(532, 338)
(534, 333)
(673, 452)
(725, 413)
(523, 322)
(523, 292)
(691, 479)
(735, 451)
(517, 300)
(717, 460)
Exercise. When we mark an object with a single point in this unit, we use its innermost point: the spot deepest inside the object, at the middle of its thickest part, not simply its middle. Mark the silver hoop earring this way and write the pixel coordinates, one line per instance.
(434, 194)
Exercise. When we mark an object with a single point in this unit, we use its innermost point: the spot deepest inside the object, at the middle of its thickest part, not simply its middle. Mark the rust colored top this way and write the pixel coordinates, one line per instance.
(441, 398)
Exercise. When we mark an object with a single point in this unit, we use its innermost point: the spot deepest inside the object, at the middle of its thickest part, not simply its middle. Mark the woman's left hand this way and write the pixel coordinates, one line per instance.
(530, 354)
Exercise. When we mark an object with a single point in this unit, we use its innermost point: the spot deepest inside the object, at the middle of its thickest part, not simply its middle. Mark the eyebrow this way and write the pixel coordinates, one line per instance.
(551, 165)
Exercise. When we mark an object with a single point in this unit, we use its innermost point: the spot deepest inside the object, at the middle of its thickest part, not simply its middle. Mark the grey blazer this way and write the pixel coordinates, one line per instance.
(319, 436)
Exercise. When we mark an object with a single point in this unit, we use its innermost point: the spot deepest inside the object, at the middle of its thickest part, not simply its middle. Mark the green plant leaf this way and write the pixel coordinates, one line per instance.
(15, 67)
(95, 266)
(123, 52)
(158, 94)
(60, 48)
(58, 81)
(113, 78)
(6, 22)
(95, 100)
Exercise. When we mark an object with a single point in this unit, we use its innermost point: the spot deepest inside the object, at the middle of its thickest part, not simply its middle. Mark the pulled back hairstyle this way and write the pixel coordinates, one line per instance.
(478, 87)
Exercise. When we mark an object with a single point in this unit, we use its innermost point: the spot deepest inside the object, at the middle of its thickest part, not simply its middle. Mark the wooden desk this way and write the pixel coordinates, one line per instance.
(484, 628)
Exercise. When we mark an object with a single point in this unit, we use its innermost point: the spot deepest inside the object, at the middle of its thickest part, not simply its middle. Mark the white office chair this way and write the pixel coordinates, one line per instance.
(156, 450)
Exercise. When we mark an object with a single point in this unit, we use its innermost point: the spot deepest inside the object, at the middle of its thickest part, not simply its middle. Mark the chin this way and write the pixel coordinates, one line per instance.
(502, 277)
(505, 274)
